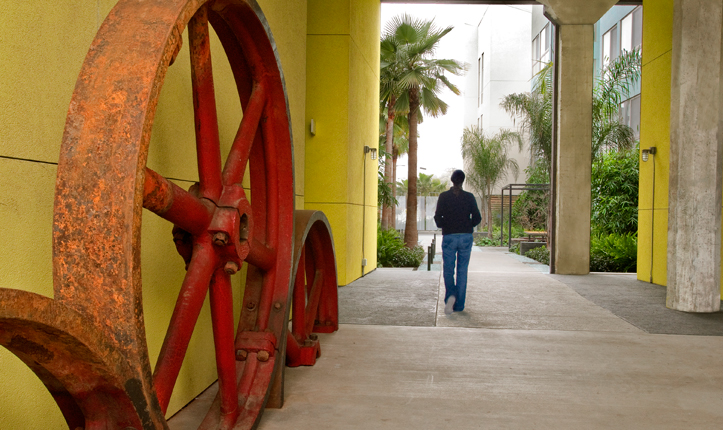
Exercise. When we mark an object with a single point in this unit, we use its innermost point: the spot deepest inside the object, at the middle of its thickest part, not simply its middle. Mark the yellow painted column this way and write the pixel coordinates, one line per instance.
(342, 96)
(655, 132)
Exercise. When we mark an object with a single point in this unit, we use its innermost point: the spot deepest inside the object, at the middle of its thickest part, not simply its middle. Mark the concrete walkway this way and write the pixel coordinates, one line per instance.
(530, 351)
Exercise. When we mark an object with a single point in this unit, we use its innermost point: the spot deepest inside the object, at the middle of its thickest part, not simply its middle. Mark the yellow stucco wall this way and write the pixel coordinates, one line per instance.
(655, 131)
(44, 44)
(342, 99)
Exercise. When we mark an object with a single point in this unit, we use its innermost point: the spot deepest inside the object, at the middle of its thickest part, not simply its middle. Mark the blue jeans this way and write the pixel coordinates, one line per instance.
(456, 247)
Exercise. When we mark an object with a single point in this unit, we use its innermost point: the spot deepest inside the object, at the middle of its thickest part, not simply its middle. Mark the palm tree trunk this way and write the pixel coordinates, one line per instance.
(393, 212)
(410, 229)
(483, 211)
(488, 201)
(386, 209)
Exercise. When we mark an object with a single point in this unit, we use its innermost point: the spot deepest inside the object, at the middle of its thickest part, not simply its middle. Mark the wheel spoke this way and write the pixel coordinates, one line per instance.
(171, 202)
(312, 306)
(267, 297)
(204, 103)
(188, 306)
(261, 256)
(298, 310)
(223, 336)
(245, 137)
(245, 385)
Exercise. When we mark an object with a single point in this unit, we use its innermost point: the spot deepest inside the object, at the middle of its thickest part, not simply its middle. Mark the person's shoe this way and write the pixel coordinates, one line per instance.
(449, 307)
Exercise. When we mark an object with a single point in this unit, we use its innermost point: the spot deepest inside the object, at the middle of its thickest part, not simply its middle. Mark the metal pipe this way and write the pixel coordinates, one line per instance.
(502, 216)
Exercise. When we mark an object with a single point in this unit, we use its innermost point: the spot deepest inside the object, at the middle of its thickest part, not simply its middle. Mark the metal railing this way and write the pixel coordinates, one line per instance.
(431, 251)
(510, 188)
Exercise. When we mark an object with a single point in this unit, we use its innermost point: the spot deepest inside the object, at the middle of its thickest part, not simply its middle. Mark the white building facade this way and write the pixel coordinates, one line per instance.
(499, 55)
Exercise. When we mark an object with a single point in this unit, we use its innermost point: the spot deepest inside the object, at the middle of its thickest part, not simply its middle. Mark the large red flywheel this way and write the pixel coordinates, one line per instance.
(88, 344)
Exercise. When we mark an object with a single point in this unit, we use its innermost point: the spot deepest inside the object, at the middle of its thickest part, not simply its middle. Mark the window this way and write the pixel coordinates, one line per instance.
(541, 50)
(536, 55)
(481, 79)
(631, 30)
(545, 45)
(479, 122)
(630, 114)
(610, 45)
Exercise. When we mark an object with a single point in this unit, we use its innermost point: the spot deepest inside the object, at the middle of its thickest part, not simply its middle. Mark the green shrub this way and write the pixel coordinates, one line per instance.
(486, 241)
(615, 193)
(391, 251)
(531, 207)
(517, 231)
(611, 253)
(540, 254)
(614, 252)
(406, 257)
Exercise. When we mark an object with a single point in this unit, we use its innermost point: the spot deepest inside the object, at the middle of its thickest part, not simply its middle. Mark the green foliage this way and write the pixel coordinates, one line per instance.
(487, 161)
(532, 207)
(408, 45)
(613, 86)
(494, 239)
(541, 254)
(409, 69)
(614, 252)
(428, 185)
(384, 188)
(384, 193)
(402, 187)
(615, 193)
(391, 251)
(611, 253)
(486, 241)
(534, 109)
(517, 230)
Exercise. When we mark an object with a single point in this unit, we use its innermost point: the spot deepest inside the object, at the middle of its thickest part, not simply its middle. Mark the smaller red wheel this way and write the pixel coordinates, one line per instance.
(315, 301)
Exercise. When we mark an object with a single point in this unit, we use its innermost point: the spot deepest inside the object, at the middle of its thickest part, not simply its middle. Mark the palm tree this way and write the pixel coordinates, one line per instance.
(422, 78)
(428, 185)
(535, 108)
(402, 187)
(400, 146)
(389, 91)
(613, 87)
(487, 161)
(535, 111)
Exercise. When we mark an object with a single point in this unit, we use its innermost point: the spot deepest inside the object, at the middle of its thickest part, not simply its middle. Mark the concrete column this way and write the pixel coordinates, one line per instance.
(696, 158)
(572, 131)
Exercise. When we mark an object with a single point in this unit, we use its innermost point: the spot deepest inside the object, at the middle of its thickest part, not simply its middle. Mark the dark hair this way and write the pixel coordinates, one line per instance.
(457, 177)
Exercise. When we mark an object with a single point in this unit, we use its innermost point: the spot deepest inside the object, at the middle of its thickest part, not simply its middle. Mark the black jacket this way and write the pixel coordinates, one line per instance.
(457, 213)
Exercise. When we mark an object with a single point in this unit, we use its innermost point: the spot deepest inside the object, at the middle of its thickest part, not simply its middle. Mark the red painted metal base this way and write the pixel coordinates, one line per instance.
(315, 301)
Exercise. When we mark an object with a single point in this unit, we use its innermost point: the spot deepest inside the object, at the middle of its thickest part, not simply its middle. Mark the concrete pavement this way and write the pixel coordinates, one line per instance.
(529, 351)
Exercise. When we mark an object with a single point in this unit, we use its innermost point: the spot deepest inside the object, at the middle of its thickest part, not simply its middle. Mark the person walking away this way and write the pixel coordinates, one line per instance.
(457, 215)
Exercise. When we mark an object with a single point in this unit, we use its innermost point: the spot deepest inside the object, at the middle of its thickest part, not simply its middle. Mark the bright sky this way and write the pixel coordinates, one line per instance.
(439, 138)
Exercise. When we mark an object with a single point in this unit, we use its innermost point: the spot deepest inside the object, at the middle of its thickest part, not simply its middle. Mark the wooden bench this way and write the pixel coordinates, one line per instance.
(534, 236)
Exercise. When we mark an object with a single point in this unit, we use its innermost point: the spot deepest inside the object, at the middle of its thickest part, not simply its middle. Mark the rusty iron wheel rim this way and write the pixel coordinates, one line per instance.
(314, 307)
(103, 186)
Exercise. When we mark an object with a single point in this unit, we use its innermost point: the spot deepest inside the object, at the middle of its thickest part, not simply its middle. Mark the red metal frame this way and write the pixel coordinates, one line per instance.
(315, 300)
